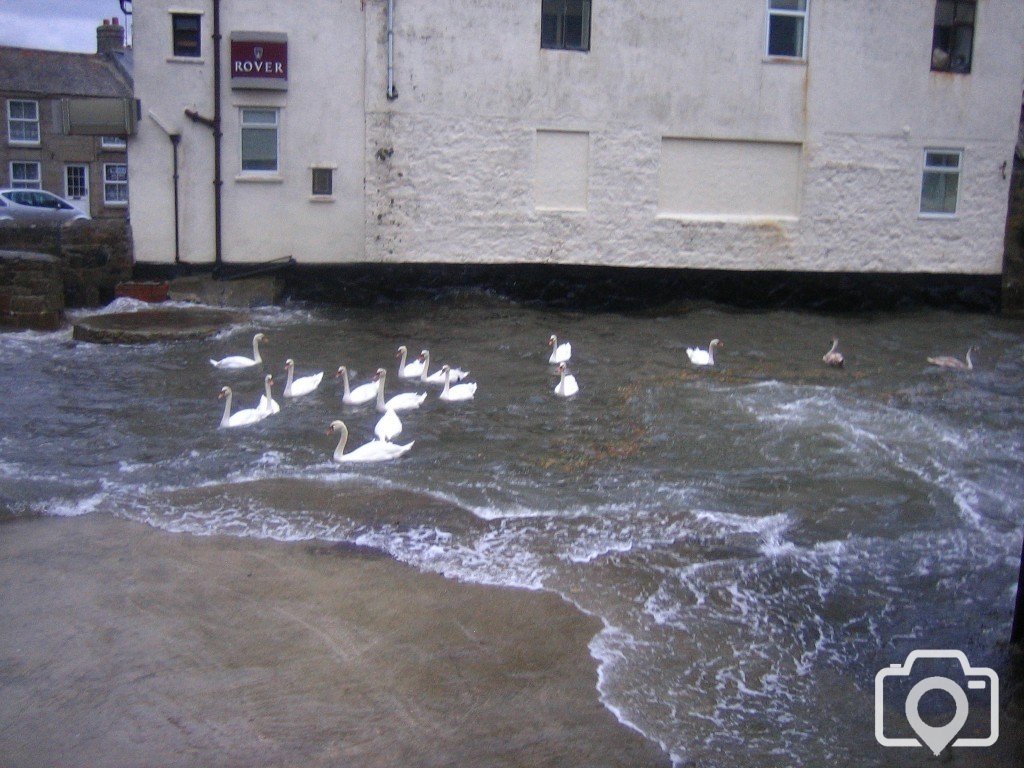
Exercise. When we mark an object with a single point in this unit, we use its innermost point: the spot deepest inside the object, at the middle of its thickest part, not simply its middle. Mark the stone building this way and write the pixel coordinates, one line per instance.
(66, 121)
(804, 135)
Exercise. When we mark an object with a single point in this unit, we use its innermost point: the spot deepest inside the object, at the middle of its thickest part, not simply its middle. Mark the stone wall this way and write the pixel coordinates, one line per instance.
(1013, 264)
(94, 256)
(31, 291)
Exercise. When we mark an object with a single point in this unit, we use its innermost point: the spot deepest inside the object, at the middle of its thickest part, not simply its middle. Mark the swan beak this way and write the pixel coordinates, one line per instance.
(329, 430)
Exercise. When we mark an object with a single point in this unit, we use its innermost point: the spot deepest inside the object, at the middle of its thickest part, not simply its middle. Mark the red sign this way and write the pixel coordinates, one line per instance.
(259, 63)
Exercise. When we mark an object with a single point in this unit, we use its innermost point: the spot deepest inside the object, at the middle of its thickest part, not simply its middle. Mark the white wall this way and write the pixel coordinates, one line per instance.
(466, 164)
(321, 124)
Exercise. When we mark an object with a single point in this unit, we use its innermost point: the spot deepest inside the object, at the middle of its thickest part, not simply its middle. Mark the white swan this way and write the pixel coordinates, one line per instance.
(560, 353)
(451, 393)
(953, 362)
(268, 405)
(375, 450)
(834, 357)
(703, 356)
(567, 386)
(457, 374)
(237, 361)
(411, 370)
(302, 385)
(241, 418)
(364, 393)
(403, 402)
(389, 426)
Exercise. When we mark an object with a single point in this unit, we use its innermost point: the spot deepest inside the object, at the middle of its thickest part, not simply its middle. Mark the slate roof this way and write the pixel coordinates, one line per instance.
(58, 73)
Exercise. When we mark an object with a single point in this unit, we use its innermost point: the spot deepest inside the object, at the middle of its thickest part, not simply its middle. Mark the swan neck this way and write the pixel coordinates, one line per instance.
(344, 381)
(447, 382)
(225, 419)
(970, 365)
(340, 450)
(401, 363)
(256, 349)
(380, 392)
(835, 346)
(288, 381)
(426, 366)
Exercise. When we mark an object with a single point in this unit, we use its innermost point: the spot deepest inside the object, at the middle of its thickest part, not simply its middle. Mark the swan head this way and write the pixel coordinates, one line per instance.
(424, 354)
(402, 350)
(261, 338)
(342, 371)
(561, 367)
(268, 379)
(289, 364)
(379, 376)
(337, 426)
(553, 340)
(716, 343)
(224, 392)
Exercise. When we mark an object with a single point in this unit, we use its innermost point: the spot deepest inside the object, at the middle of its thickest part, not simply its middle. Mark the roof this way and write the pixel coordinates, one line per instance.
(58, 73)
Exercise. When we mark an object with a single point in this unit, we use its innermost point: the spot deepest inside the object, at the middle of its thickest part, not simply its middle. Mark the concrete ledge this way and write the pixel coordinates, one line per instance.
(154, 325)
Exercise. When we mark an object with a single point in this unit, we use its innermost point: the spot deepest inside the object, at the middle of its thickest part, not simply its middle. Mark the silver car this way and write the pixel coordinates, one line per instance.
(35, 206)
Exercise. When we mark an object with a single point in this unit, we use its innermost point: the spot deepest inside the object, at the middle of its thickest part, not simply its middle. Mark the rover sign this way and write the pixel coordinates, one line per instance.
(259, 60)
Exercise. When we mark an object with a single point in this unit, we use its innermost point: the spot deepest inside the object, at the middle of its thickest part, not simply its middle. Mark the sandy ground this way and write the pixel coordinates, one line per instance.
(122, 645)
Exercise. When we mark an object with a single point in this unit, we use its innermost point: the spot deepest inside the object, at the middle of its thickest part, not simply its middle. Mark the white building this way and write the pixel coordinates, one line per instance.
(818, 135)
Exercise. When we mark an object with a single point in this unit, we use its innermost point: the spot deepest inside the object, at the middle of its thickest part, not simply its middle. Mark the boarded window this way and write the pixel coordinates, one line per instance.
(562, 162)
(709, 178)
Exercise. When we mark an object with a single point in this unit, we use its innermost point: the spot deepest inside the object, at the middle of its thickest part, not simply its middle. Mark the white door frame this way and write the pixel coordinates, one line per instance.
(80, 201)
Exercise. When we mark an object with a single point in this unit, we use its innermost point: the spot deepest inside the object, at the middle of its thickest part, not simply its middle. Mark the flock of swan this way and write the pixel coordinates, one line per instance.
(454, 389)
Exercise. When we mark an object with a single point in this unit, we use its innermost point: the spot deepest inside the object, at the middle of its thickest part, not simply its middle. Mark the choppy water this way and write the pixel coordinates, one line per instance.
(758, 538)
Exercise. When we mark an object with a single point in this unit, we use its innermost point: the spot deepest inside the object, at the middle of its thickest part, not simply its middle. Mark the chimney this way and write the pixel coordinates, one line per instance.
(109, 36)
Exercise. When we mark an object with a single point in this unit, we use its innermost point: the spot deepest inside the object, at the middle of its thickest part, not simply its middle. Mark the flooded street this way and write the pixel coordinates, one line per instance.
(758, 538)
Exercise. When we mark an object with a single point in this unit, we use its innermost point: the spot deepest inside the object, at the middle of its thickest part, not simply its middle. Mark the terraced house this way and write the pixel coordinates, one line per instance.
(809, 135)
(67, 118)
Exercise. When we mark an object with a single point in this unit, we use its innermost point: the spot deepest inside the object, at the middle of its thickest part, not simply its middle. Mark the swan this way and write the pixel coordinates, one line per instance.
(302, 385)
(364, 393)
(567, 386)
(834, 357)
(376, 450)
(560, 353)
(953, 362)
(268, 405)
(403, 402)
(457, 374)
(413, 369)
(237, 361)
(457, 392)
(241, 418)
(389, 426)
(703, 356)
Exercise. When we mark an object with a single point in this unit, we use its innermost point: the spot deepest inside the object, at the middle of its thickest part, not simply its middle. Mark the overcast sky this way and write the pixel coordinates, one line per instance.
(59, 25)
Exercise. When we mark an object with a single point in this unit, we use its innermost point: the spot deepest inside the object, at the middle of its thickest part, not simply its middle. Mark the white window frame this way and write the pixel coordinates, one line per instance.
(773, 12)
(12, 120)
(275, 127)
(26, 182)
(945, 171)
(113, 142)
(109, 184)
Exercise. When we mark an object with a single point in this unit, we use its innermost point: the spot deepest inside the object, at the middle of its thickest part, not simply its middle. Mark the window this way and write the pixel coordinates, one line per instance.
(185, 28)
(787, 28)
(323, 181)
(259, 140)
(115, 184)
(565, 24)
(23, 122)
(26, 175)
(941, 181)
(113, 142)
(953, 38)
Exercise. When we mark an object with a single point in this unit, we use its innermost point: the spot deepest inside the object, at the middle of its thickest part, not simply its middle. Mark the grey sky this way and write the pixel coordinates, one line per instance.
(60, 25)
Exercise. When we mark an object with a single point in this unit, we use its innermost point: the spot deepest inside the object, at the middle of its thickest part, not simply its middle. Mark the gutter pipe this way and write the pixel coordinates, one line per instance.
(214, 124)
(391, 92)
(175, 137)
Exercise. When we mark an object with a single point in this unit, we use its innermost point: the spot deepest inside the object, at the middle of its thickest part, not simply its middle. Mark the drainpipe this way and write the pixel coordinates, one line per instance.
(214, 124)
(391, 93)
(175, 137)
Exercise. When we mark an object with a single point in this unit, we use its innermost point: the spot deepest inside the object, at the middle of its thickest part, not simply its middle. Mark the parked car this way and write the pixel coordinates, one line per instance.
(36, 206)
